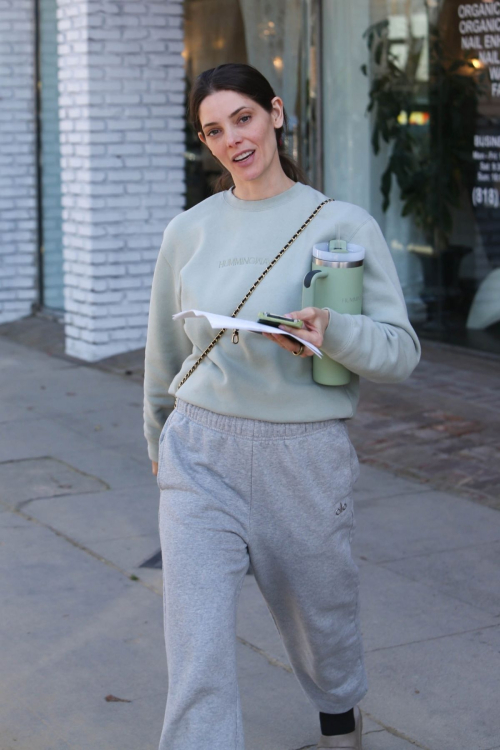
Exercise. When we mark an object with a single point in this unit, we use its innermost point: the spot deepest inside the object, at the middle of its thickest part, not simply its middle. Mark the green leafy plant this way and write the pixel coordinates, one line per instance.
(430, 163)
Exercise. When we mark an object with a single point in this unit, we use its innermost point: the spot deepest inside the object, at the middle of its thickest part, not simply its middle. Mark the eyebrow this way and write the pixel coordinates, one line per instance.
(207, 124)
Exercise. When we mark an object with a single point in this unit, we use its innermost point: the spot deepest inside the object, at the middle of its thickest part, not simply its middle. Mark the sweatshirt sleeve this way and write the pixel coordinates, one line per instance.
(380, 343)
(167, 346)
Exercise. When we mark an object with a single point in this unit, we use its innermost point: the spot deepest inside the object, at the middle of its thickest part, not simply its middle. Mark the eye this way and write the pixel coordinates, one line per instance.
(214, 130)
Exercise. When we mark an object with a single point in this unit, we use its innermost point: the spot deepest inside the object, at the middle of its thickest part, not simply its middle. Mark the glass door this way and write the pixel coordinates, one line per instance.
(412, 133)
(279, 38)
(49, 159)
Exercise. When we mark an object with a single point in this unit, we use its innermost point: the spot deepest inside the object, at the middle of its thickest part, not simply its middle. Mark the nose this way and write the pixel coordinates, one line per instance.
(232, 137)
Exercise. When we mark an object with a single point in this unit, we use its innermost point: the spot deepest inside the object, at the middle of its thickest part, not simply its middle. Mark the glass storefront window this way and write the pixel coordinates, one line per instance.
(278, 37)
(50, 159)
(411, 132)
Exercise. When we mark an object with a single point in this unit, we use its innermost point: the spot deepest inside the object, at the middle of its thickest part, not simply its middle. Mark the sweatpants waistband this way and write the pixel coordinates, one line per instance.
(253, 428)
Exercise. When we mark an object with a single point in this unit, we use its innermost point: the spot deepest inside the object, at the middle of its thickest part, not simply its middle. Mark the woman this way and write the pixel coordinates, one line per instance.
(255, 462)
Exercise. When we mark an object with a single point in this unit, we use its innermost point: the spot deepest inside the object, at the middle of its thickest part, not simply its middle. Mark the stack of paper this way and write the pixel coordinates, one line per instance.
(224, 321)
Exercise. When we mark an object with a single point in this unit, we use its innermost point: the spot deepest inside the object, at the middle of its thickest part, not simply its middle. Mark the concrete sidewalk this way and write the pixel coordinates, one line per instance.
(81, 625)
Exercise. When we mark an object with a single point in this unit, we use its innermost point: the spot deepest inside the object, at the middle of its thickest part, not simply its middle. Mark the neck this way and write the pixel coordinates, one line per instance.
(269, 183)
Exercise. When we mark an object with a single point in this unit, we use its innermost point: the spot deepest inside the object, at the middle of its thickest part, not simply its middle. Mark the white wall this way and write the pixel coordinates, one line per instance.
(121, 88)
(18, 207)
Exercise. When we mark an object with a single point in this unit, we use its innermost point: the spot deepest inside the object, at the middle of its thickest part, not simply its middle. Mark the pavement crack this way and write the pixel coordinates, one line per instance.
(271, 659)
(78, 545)
(430, 584)
(433, 638)
(24, 503)
(391, 730)
(434, 552)
(399, 493)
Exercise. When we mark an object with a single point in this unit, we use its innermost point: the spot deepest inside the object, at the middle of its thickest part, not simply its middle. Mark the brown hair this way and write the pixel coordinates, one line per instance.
(247, 80)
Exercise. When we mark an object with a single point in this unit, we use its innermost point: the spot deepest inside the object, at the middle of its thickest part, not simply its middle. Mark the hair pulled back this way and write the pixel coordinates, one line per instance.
(246, 80)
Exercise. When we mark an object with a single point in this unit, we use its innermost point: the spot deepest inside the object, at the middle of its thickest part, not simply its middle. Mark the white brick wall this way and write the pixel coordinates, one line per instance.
(121, 86)
(18, 226)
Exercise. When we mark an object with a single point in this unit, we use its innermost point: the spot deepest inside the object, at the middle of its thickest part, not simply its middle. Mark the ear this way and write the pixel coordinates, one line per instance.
(277, 103)
(202, 138)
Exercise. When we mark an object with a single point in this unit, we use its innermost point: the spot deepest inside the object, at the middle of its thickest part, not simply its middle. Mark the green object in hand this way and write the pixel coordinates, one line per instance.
(276, 320)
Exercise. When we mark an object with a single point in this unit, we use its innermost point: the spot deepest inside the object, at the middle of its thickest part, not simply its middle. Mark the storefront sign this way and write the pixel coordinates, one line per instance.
(475, 34)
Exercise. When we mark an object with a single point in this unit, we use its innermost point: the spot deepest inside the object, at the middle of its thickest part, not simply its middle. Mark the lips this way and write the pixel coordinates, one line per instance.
(240, 161)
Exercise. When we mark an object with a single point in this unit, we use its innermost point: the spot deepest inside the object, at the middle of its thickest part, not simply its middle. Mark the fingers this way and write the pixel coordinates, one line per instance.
(282, 341)
(277, 339)
(307, 313)
(313, 336)
(315, 321)
(312, 332)
(309, 316)
(291, 345)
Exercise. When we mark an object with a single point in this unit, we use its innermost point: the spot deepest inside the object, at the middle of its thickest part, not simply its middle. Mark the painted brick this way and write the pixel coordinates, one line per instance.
(18, 233)
(129, 335)
(121, 109)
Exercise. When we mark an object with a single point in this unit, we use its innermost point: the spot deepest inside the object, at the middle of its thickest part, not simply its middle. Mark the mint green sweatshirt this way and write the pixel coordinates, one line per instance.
(209, 258)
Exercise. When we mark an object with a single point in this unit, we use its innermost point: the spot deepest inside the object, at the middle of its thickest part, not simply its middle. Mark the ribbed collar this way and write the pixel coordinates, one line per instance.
(264, 203)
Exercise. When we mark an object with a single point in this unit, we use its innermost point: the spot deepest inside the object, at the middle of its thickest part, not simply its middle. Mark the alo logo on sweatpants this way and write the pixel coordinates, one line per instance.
(341, 508)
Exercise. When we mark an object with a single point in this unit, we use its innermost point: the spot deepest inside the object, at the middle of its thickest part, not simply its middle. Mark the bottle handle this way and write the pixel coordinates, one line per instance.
(310, 281)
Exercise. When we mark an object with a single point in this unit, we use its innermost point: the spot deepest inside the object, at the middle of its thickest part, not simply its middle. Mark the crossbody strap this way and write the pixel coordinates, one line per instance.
(235, 336)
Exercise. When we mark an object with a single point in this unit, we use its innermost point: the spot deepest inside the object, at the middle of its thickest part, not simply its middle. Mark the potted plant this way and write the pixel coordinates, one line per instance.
(431, 163)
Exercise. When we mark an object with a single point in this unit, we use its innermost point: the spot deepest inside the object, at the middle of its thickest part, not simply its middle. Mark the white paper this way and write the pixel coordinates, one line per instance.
(224, 321)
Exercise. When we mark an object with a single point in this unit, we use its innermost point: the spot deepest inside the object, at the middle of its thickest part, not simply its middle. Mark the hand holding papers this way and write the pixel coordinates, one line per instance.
(224, 321)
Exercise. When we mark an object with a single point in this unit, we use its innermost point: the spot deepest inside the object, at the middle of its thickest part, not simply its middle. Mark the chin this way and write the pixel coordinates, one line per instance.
(248, 176)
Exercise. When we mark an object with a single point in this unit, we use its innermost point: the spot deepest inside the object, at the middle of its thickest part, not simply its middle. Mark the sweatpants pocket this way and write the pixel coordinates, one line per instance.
(355, 469)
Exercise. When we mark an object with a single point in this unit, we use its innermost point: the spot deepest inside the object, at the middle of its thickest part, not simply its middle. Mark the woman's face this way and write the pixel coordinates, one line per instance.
(233, 124)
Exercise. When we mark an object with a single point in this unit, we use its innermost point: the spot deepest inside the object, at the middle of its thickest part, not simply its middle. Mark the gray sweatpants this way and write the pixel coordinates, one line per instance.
(279, 495)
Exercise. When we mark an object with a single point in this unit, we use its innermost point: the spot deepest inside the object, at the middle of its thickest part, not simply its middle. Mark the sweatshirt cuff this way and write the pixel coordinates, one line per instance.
(153, 451)
(338, 334)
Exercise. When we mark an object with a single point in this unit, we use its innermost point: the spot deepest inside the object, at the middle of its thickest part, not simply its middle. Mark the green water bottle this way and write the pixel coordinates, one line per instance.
(335, 281)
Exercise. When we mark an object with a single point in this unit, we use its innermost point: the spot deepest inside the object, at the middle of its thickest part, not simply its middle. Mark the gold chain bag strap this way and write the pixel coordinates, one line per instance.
(235, 336)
